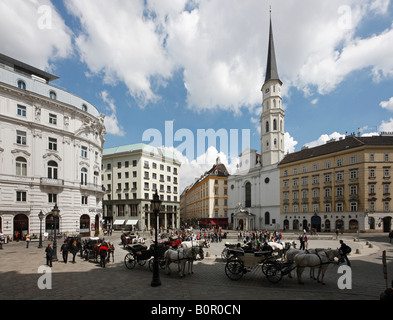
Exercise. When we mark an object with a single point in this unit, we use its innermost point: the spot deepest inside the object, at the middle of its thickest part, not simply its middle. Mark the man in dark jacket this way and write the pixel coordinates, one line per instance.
(103, 251)
(74, 250)
(64, 250)
(49, 254)
(344, 251)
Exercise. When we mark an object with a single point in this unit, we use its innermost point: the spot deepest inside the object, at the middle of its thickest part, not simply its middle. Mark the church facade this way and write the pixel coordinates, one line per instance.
(254, 189)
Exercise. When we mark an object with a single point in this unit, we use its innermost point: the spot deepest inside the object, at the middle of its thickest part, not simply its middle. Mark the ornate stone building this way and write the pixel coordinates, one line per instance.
(51, 144)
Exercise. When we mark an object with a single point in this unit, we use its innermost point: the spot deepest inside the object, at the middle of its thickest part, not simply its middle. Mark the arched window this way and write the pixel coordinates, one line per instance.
(274, 103)
(267, 217)
(53, 95)
(84, 176)
(84, 107)
(21, 167)
(52, 170)
(274, 124)
(21, 85)
(248, 195)
(267, 126)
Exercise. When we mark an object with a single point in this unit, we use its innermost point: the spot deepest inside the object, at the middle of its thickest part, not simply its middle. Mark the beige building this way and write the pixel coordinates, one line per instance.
(206, 200)
(344, 184)
(131, 176)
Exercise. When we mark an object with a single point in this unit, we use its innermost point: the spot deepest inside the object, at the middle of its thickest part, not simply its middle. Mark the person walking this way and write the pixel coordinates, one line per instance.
(301, 239)
(28, 239)
(74, 250)
(336, 234)
(344, 251)
(49, 255)
(305, 239)
(64, 250)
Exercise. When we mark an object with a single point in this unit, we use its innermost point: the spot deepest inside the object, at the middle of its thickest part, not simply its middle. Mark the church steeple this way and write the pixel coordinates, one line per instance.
(272, 118)
(271, 68)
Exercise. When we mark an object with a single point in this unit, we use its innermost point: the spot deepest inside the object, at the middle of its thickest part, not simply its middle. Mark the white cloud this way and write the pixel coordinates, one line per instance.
(324, 138)
(195, 168)
(120, 43)
(111, 122)
(386, 126)
(221, 46)
(387, 104)
(33, 32)
(289, 143)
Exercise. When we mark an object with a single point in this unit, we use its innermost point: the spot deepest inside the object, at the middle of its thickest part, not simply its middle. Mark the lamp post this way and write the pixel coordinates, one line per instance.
(41, 216)
(55, 214)
(156, 205)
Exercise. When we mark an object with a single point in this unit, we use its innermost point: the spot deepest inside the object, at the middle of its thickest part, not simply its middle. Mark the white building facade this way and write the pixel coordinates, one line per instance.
(51, 145)
(254, 190)
(131, 176)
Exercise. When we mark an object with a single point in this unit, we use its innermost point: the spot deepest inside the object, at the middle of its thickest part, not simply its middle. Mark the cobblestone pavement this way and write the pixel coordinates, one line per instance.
(86, 280)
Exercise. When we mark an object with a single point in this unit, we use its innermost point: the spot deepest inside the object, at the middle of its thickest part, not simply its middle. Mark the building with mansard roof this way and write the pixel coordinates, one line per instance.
(205, 202)
(51, 144)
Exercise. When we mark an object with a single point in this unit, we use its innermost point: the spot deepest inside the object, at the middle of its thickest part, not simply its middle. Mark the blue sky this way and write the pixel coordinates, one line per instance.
(201, 64)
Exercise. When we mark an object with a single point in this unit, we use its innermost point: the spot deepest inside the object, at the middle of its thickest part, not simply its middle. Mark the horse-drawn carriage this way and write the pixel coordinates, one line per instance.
(241, 261)
(140, 254)
(91, 247)
(131, 238)
(274, 266)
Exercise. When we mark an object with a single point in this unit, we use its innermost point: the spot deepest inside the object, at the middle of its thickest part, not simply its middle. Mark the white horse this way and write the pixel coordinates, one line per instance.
(320, 259)
(181, 256)
(195, 243)
(291, 254)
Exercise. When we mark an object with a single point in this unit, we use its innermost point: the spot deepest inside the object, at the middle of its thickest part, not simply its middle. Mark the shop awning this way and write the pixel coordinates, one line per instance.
(131, 222)
(118, 222)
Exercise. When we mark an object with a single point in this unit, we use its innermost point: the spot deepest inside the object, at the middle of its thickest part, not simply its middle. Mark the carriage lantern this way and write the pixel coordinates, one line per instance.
(55, 214)
(156, 205)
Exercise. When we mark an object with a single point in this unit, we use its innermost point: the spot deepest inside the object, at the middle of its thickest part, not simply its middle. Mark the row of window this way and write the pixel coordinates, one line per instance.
(146, 176)
(339, 163)
(353, 207)
(21, 196)
(147, 196)
(146, 165)
(353, 191)
(52, 94)
(21, 139)
(21, 170)
(353, 175)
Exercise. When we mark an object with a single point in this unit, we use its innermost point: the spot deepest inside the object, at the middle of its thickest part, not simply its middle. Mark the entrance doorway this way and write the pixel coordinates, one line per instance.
(316, 223)
(85, 226)
(21, 226)
(387, 224)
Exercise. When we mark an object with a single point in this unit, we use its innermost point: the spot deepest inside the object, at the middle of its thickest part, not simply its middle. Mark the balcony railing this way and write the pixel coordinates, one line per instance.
(52, 182)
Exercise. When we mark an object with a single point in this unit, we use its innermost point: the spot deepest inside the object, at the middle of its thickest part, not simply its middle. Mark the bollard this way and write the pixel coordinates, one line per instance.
(357, 251)
(370, 245)
(207, 254)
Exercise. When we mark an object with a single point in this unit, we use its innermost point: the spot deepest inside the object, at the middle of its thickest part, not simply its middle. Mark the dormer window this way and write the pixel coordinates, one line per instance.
(52, 95)
(84, 107)
(21, 85)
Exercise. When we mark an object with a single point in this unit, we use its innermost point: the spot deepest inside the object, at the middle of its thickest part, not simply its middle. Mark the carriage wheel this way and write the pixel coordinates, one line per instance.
(267, 264)
(129, 261)
(273, 273)
(224, 254)
(234, 269)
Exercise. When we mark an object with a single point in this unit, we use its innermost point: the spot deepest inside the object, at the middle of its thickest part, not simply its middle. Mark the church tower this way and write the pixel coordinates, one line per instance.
(272, 119)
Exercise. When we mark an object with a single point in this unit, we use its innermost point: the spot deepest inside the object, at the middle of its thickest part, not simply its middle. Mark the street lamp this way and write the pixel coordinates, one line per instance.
(156, 205)
(41, 216)
(55, 214)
